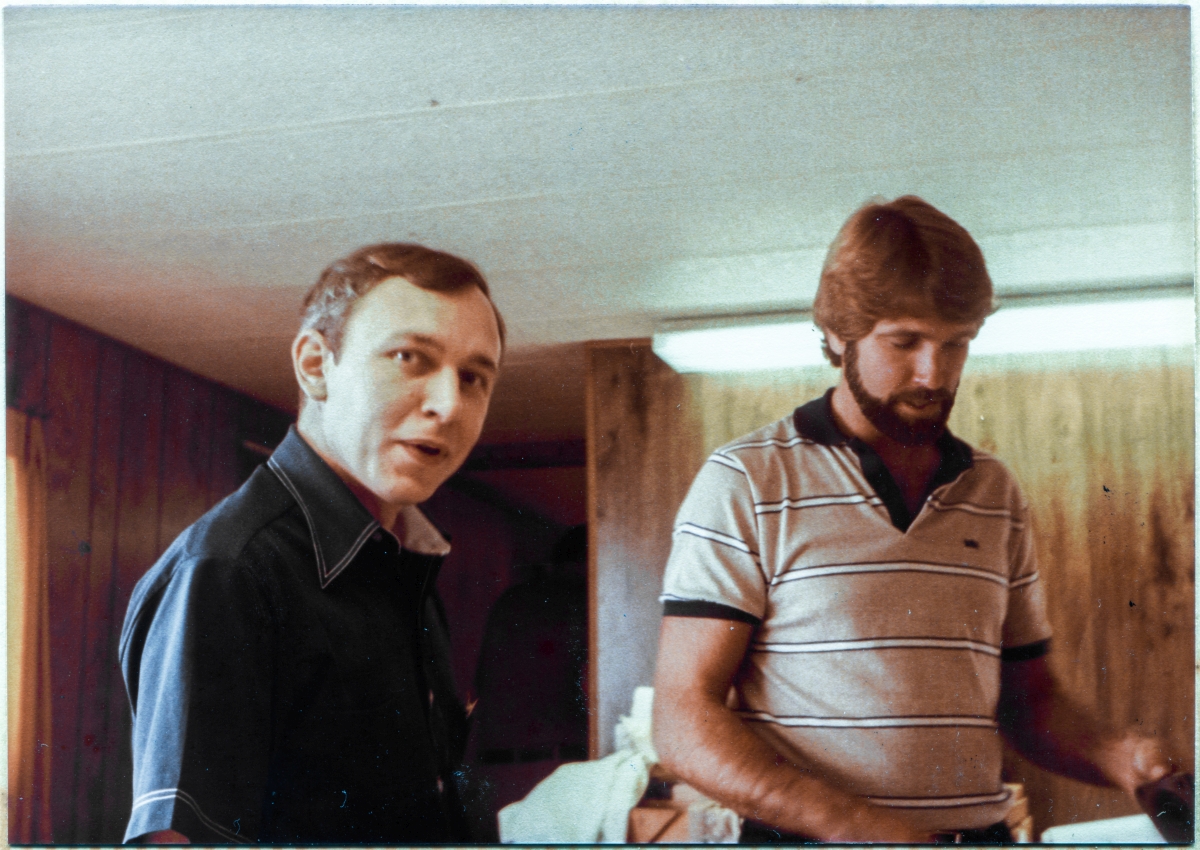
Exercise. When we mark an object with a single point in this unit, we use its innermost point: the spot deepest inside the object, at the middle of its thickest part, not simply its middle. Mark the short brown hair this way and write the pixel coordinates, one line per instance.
(903, 258)
(328, 304)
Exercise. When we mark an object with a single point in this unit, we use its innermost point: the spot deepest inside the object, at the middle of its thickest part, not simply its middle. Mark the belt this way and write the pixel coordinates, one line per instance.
(521, 755)
(754, 832)
(997, 833)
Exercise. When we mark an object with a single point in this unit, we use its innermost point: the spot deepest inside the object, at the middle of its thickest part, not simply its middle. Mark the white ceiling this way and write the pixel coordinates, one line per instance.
(178, 176)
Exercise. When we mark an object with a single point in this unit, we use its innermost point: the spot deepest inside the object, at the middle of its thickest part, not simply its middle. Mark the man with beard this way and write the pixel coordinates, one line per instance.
(851, 607)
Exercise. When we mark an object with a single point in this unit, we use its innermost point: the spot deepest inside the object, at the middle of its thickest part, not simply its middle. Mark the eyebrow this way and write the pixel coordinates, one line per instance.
(905, 332)
(479, 360)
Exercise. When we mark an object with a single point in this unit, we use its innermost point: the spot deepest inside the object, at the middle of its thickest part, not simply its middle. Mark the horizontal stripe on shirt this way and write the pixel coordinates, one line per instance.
(910, 721)
(715, 536)
(891, 567)
(878, 643)
(816, 502)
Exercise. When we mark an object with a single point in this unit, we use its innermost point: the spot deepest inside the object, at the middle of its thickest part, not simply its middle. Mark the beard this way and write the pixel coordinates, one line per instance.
(884, 413)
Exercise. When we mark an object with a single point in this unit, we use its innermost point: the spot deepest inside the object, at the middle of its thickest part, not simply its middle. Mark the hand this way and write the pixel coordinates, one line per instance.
(164, 836)
(1135, 760)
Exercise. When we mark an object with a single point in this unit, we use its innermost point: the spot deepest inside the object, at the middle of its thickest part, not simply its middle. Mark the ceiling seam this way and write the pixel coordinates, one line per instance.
(928, 165)
(799, 77)
(388, 117)
(65, 26)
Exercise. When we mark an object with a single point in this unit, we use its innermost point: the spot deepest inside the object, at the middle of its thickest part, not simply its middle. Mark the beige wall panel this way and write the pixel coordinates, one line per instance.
(1106, 458)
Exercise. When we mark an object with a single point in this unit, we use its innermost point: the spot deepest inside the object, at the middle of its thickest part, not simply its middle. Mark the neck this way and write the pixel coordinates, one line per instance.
(912, 467)
(387, 515)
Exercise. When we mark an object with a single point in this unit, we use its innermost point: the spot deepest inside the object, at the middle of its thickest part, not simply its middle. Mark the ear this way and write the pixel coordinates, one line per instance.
(836, 344)
(310, 357)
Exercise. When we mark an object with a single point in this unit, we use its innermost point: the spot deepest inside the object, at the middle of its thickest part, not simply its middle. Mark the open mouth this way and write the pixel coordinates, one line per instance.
(423, 449)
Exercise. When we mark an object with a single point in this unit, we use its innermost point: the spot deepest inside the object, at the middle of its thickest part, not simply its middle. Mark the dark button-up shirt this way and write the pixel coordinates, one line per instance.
(288, 669)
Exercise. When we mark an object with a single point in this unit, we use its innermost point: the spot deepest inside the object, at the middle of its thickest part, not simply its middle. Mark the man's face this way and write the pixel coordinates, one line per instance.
(904, 375)
(408, 393)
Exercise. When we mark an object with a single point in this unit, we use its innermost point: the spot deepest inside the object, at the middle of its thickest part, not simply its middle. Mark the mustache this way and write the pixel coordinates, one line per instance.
(923, 396)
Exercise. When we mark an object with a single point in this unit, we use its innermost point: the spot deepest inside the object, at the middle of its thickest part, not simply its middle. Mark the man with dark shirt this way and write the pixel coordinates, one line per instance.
(286, 659)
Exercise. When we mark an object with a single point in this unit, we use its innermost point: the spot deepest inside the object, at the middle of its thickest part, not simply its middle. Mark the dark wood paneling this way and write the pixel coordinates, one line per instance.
(70, 439)
(223, 476)
(136, 549)
(545, 455)
(185, 458)
(643, 451)
(136, 450)
(91, 739)
(27, 337)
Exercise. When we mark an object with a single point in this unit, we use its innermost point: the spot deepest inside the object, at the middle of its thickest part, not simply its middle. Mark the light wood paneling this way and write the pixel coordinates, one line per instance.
(1106, 458)
(643, 450)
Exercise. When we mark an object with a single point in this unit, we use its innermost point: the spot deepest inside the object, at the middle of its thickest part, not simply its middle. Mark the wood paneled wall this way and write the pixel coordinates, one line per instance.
(1103, 448)
(641, 460)
(491, 537)
(136, 450)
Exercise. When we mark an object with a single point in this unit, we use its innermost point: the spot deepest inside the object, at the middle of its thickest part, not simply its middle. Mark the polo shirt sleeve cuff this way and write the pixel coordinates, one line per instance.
(1028, 652)
(708, 610)
(173, 808)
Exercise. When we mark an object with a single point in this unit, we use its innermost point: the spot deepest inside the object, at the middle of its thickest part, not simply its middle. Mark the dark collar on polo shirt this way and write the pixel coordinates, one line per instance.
(814, 421)
(338, 522)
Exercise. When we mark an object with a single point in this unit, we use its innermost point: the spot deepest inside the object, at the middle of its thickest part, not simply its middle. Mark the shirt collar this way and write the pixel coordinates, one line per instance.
(815, 421)
(339, 523)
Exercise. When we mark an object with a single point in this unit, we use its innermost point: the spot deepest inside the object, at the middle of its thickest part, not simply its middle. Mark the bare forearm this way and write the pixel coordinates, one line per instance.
(1053, 731)
(1059, 736)
(710, 748)
(705, 743)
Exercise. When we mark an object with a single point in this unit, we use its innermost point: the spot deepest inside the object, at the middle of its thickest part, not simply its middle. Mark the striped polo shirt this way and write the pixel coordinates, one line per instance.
(878, 636)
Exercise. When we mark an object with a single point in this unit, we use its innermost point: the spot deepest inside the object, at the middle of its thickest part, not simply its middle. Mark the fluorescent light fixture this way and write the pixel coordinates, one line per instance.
(779, 342)
(791, 341)
(1088, 326)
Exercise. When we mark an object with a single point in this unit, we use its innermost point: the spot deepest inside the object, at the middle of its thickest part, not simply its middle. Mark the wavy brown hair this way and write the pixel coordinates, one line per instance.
(900, 258)
(328, 304)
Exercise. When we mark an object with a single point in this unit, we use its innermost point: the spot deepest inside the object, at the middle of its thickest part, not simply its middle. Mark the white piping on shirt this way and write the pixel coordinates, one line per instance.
(187, 799)
(325, 576)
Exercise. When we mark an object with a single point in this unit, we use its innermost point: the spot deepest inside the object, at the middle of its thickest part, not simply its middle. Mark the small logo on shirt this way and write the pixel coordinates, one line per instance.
(971, 544)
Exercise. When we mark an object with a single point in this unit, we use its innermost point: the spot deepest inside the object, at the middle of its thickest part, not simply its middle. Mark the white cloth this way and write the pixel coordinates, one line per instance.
(585, 802)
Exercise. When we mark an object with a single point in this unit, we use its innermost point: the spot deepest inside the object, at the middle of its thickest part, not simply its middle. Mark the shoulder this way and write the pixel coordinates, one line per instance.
(771, 443)
(222, 550)
(989, 469)
(988, 483)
